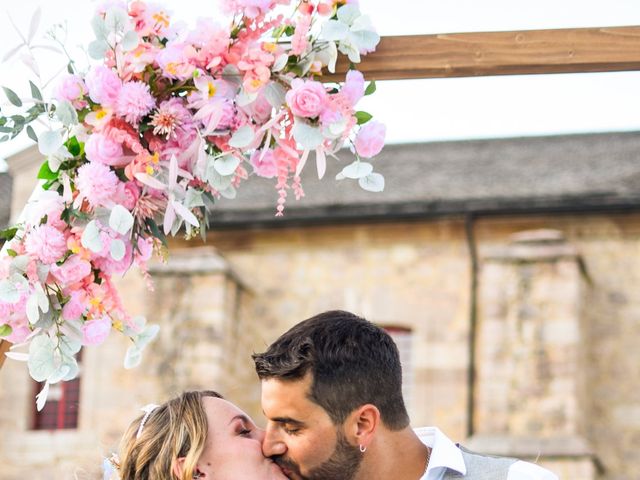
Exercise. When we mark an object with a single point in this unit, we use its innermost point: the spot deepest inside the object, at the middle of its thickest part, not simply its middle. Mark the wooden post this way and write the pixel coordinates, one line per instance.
(4, 348)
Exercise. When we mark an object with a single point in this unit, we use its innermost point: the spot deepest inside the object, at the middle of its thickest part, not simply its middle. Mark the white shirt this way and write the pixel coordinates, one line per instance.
(445, 454)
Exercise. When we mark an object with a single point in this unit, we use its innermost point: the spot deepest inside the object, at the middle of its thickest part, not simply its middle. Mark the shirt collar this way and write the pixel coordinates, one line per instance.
(444, 453)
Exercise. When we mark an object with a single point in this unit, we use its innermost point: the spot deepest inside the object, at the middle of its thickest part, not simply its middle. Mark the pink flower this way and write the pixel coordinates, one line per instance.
(171, 117)
(102, 149)
(72, 89)
(127, 195)
(72, 270)
(299, 41)
(353, 88)
(250, 8)
(145, 249)
(97, 183)
(370, 139)
(134, 101)
(266, 166)
(46, 243)
(75, 306)
(96, 331)
(175, 60)
(306, 98)
(104, 85)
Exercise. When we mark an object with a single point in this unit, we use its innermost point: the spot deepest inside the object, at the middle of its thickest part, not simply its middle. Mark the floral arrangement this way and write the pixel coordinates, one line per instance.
(143, 143)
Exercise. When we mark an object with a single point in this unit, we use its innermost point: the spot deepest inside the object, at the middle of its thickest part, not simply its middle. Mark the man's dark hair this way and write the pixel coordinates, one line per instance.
(352, 362)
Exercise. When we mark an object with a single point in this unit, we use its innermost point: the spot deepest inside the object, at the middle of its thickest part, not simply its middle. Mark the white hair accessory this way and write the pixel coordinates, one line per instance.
(147, 409)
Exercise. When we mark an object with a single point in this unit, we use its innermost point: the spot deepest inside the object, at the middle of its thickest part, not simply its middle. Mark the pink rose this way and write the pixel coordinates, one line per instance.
(96, 331)
(75, 306)
(370, 139)
(266, 166)
(127, 195)
(72, 270)
(306, 98)
(72, 89)
(100, 148)
(104, 85)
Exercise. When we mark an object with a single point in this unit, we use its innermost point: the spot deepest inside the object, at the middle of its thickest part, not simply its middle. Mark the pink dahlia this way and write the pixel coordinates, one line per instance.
(97, 183)
(170, 117)
(46, 243)
(134, 101)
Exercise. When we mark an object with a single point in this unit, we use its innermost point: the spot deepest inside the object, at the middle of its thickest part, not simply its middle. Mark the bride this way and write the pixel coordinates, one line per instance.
(197, 435)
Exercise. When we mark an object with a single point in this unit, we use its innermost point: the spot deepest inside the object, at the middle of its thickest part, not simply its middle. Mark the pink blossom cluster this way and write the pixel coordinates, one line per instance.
(169, 119)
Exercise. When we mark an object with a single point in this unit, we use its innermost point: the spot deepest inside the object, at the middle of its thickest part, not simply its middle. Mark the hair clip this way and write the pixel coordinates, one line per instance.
(147, 409)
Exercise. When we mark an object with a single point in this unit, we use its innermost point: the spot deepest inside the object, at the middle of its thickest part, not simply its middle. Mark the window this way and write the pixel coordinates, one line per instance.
(61, 410)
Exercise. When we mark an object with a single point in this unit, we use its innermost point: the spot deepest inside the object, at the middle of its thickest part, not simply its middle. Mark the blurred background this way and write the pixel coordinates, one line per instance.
(503, 257)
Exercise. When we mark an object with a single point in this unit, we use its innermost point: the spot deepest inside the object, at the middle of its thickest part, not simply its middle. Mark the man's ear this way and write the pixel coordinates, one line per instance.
(362, 425)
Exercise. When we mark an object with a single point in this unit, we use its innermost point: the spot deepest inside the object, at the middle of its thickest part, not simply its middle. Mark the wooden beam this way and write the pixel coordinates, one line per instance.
(602, 49)
(4, 348)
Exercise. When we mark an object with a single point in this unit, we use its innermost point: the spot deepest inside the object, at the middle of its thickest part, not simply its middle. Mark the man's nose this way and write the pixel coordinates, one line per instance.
(272, 444)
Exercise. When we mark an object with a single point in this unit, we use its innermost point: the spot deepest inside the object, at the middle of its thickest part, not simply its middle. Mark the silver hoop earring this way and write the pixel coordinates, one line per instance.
(362, 448)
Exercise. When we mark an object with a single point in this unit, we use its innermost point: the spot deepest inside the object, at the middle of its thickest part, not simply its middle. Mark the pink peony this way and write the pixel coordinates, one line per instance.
(353, 88)
(96, 331)
(97, 183)
(75, 306)
(72, 270)
(46, 243)
(134, 101)
(104, 85)
(102, 149)
(306, 98)
(370, 139)
(266, 166)
(72, 89)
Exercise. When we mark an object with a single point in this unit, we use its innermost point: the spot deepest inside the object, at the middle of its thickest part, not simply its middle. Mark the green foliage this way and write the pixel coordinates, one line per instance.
(12, 97)
(363, 117)
(371, 88)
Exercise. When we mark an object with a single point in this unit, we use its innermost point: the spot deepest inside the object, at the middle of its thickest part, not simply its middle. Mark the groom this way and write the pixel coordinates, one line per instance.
(332, 395)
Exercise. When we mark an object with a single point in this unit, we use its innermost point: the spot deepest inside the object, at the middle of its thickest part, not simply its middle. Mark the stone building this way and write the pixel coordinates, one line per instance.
(506, 269)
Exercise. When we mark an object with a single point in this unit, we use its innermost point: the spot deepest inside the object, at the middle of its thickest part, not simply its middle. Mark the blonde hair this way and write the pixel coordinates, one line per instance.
(175, 429)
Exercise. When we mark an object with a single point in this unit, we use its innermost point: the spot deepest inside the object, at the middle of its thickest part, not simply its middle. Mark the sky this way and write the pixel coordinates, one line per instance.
(415, 110)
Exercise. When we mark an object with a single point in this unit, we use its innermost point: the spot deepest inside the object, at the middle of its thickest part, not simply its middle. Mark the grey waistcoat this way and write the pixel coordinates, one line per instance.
(482, 467)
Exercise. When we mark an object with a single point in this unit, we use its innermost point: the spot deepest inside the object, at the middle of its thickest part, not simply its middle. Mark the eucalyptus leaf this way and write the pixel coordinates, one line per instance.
(130, 40)
(309, 137)
(41, 357)
(32, 134)
(226, 165)
(372, 183)
(275, 94)
(120, 219)
(91, 237)
(66, 113)
(117, 249)
(9, 292)
(229, 192)
(98, 49)
(35, 22)
(116, 19)
(242, 137)
(12, 97)
(133, 357)
(35, 91)
(357, 170)
(216, 180)
(50, 142)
